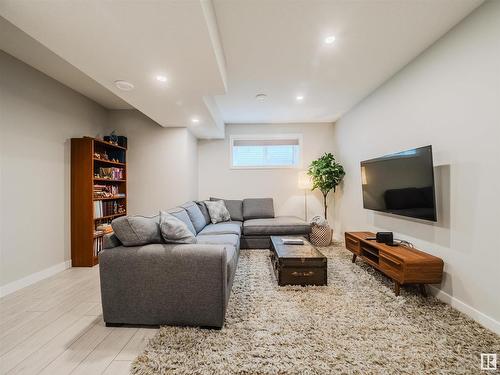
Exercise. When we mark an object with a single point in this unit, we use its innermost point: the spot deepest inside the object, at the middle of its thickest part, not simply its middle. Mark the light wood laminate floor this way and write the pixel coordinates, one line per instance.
(55, 327)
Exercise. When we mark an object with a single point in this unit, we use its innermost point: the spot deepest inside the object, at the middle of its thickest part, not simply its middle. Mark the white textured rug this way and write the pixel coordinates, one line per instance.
(354, 325)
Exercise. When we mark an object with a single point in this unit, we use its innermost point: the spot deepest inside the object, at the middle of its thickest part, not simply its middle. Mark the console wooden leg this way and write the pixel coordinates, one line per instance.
(354, 257)
(396, 288)
(422, 289)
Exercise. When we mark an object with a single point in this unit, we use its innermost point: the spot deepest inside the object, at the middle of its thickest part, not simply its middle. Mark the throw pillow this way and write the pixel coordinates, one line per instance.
(174, 230)
(235, 207)
(218, 211)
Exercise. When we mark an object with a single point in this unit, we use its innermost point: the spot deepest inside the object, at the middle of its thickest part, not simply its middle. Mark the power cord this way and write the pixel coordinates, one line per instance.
(404, 243)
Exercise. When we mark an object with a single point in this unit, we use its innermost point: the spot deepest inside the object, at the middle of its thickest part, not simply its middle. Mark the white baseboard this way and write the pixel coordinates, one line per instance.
(483, 319)
(33, 278)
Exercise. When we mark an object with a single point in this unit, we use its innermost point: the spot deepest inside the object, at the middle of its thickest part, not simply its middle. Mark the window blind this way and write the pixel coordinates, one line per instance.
(265, 152)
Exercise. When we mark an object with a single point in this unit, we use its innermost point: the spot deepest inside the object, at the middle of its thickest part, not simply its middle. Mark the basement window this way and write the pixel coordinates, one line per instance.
(276, 151)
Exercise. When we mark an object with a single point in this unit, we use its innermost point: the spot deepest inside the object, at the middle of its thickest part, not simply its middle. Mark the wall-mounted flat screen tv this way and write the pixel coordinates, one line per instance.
(401, 184)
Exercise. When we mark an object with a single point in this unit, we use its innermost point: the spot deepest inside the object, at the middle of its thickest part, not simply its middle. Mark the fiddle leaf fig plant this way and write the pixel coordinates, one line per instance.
(326, 174)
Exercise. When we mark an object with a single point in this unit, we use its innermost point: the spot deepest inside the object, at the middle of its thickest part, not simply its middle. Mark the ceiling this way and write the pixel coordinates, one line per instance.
(20, 45)
(217, 55)
(277, 47)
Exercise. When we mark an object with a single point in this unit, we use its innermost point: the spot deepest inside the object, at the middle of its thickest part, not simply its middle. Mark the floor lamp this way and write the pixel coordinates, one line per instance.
(305, 183)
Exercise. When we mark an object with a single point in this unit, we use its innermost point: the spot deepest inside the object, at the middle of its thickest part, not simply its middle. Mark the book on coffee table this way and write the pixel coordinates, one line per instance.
(292, 241)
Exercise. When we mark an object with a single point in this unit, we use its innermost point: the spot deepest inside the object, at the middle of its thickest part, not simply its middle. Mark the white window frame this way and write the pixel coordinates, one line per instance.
(257, 137)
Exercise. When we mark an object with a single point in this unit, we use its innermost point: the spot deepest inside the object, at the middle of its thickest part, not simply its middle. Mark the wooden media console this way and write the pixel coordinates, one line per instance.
(402, 264)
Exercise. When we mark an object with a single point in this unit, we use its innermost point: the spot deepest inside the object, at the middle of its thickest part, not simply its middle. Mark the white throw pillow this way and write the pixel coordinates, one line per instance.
(217, 211)
(175, 230)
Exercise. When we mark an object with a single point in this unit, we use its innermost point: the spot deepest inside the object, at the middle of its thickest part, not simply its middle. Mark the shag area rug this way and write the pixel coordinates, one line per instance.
(355, 325)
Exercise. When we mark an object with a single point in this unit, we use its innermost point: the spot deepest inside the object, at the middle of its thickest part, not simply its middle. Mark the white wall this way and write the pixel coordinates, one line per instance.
(38, 117)
(162, 163)
(448, 97)
(217, 179)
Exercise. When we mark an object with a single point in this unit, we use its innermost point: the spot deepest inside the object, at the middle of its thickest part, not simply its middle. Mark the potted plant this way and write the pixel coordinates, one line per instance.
(325, 174)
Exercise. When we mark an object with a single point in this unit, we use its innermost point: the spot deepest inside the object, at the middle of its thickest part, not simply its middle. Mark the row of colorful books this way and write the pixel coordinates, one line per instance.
(108, 208)
(112, 173)
(107, 191)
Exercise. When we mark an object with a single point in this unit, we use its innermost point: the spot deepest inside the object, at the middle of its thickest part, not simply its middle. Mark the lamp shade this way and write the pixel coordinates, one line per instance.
(305, 181)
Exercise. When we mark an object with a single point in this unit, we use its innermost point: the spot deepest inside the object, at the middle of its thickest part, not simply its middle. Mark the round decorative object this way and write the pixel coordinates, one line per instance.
(321, 235)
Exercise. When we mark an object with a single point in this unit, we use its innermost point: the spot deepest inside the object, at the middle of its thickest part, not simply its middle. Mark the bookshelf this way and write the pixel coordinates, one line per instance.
(98, 194)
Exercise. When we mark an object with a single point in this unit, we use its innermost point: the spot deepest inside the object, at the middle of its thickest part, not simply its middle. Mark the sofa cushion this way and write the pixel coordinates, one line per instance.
(281, 225)
(175, 230)
(204, 210)
(195, 215)
(258, 208)
(181, 214)
(235, 208)
(228, 227)
(219, 239)
(218, 211)
(137, 230)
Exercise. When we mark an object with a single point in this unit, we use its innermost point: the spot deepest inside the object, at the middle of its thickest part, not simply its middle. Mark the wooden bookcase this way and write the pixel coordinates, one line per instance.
(87, 161)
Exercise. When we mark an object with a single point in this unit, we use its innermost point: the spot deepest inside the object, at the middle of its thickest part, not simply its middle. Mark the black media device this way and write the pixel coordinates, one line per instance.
(401, 184)
(385, 237)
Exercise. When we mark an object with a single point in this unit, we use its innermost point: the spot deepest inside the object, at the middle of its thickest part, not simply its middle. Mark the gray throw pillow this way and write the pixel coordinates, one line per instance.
(175, 230)
(137, 230)
(234, 206)
(218, 211)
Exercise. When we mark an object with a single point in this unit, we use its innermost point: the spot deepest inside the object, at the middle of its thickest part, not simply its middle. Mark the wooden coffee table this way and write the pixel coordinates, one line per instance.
(297, 264)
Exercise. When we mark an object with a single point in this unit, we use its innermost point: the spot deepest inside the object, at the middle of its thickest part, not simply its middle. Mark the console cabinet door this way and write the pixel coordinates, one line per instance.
(392, 267)
(353, 244)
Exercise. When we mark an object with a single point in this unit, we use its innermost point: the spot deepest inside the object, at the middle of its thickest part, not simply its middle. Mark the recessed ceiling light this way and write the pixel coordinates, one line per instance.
(195, 120)
(330, 39)
(124, 85)
(299, 98)
(261, 97)
(161, 78)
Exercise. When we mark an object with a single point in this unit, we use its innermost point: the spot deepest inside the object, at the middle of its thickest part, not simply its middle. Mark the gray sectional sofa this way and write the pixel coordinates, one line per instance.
(147, 281)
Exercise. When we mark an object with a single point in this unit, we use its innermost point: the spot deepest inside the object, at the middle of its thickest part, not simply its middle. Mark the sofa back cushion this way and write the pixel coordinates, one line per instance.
(234, 206)
(204, 210)
(181, 214)
(137, 230)
(258, 208)
(174, 230)
(195, 215)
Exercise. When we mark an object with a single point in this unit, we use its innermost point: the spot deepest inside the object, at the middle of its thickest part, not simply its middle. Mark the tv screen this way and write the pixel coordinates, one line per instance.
(401, 184)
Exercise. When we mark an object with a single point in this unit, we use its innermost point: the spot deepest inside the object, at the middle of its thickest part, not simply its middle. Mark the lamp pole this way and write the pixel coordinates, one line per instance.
(305, 203)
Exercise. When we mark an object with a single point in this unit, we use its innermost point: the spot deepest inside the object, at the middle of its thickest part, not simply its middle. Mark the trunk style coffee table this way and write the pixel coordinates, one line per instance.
(297, 264)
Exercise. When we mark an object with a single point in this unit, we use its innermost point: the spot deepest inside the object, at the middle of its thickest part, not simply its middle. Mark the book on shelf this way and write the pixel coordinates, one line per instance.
(98, 242)
(105, 228)
(108, 208)
(107, 191)
(111, 173)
